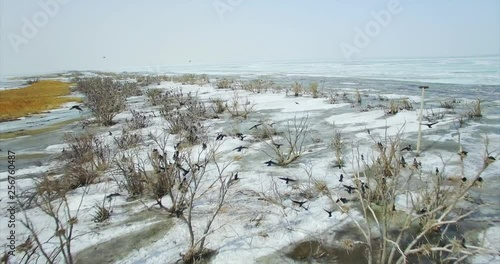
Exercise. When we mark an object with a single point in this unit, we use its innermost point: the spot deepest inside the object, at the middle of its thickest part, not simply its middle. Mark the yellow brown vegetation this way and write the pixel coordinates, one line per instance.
(36, 98)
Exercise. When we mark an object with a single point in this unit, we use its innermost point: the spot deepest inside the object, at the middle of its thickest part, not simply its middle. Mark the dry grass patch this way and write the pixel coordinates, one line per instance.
(36, 98)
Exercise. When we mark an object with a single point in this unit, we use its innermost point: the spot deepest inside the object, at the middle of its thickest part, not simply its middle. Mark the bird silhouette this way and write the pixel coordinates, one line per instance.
(239, 148)
(241, 136)
(110, 133)
(437, 171)
(287, 179)
(270, 162)
(462, 243)
(220, 136)
(408, 148)
(277, 145)
(403, 161)
(341, 177)
(463, 153)
(349, 188)
(255, 126)
(368, 130)
(329, 212)
(341, 199)
(301, 204)
(394, 208)
(235, 177)
(479, 179)
(204, 146)
(296, 102)
(464, 179)
(491, 158)
(77, 107)
(430, 124)
(184, 171)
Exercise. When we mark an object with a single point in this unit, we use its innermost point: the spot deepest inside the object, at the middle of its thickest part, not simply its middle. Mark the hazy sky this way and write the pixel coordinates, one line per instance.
(72, 34)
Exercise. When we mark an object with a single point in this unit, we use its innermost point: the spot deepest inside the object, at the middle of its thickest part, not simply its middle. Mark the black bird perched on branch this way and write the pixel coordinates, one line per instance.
(430, 124)
(239, 148)
(403, 161)
(463, 153)
(349, 188)
(341, 199)
(184, 171)
(301, 204)
(287, 179)
(255, 126)
(270, 162)
(408, 148)
(77, 107)
(437, 171)
(235, 177)
(341, 177)
(220, 136)
(329, 212)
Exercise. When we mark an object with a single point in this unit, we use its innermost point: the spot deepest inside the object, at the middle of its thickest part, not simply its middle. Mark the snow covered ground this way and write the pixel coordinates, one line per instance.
(248, 228)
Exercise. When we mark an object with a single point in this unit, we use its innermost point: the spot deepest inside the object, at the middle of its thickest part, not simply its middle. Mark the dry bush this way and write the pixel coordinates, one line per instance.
(297, 89)
(393, 108)
(333, 98)
(138, 120)
(338, 145)
(101, 213)
(58, 247)
(474, 110)
(224, 83)
(449, 104)
(134, 175)
(75, 176)
(258, 85)
(155, 96)
(128, 140)
(294, 136)
(238, 107)
(105, 97)
(358, 96)
(87, 150)
(191, 79)
(314, 89)
(218, 105)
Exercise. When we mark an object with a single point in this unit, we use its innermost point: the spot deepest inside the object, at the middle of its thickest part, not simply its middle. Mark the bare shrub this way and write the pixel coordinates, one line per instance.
(138, 120)
(238, 107)
(218, 105)
(101, 213)
(87, 150)
(224, 83)
(313, 89)
(155, 96)
(134, 175)
(338, 145)
(474, 110)
(128, 139)
(258, 85)
(104, 97)
(296, 89)
(393, 108)
(449, 104)
(293, 137)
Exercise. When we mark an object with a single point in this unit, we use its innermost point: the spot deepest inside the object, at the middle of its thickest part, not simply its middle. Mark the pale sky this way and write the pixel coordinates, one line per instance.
(75, 35)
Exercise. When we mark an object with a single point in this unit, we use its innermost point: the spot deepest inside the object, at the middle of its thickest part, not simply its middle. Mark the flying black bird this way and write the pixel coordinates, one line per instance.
(297, 102)
(464, 179)
(239, 148)
(255, 126)
(349, 188)
(270, 162)
(329, 212)
(109, 196)
(110, 133)
(301, 204)
(241, 136)
(479, 179)
(491, 158)
(277, 145)
(220, 136)
(403, 161)
(204, 145)
(235, 177)
(77, 107)
(341, 177)
(430, 124)
(463, 153)
(287, 179)
(368, 130)
(364, 187)
(341, 199)
(379, 144)
(408, 148)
